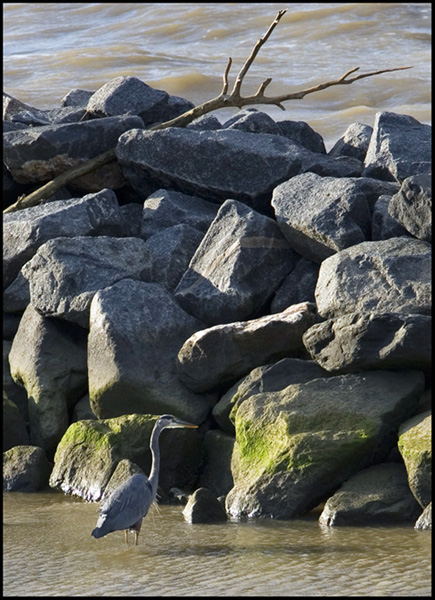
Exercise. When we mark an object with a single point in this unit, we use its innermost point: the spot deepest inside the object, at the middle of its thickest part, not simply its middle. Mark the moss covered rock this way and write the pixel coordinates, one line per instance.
(415, 446)
(294, 447)
(90, 451)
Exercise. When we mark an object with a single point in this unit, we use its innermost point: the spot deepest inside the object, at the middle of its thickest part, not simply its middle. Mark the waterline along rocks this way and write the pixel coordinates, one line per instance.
(236, 275)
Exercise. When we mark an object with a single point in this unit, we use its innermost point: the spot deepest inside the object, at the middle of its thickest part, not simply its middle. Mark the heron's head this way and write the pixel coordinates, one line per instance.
(169, 421)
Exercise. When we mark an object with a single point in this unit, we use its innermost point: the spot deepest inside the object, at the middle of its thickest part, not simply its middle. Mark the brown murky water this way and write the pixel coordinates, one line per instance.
(48, 551)
(51, 48)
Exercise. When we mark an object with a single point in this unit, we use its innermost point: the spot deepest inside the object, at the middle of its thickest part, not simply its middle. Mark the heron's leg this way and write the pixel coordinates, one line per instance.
(126, 536)
(136, 528)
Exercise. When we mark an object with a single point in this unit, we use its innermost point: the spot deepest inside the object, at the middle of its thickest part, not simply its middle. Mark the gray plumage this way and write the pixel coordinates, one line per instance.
(130, 502)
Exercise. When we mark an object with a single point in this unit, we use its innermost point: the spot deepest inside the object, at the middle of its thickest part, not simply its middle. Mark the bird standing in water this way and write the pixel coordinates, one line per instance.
(129, 503)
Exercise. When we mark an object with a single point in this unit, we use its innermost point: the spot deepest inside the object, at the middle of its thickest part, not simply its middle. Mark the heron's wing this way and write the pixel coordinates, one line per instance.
(128, 504)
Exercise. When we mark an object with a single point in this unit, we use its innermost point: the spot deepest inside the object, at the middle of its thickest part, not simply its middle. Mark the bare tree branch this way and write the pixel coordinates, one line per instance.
(234, 99)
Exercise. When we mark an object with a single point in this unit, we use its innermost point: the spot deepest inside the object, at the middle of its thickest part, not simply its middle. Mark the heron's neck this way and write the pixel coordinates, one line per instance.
(155, 465)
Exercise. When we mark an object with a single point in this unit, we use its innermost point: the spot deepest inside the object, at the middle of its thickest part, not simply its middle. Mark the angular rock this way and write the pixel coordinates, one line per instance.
(424, 521)
(130, 95)
(36, 117)
(354, 142)
(383, 224)
(301, 133)
(48, 357)
(267, 378)
(400, 146)
(170, 253)
(391, 275)
(216, 471)
(222, 164)
(223, 282)
(412, 206)
(204, 507)
(253, 121)
(12, 106)
(295, 447)
(136, 331)
(65, 272)
(92, 453)
(415, 437)
(76, 97)
(125, 95)
(166, 208)
(25, 469)
(42, 153)
(224, 353)
(24, 231)
(323, 215)
(298, 286)
(206, 122)
(377, 495)
(358, 341)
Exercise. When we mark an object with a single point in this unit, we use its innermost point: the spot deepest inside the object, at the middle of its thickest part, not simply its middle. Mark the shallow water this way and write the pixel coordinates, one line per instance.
(48, 551)
(50, 48)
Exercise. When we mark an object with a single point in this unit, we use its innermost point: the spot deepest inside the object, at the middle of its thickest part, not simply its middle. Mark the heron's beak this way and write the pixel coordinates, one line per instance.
(180, 423)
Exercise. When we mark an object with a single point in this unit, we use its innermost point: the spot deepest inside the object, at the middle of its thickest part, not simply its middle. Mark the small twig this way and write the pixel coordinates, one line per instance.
(234, 99)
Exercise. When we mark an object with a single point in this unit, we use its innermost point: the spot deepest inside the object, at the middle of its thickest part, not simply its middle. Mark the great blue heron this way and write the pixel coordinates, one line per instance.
(130, 502)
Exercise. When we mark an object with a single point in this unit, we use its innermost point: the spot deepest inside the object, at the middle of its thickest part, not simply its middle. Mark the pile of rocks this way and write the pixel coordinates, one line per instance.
(237, 276)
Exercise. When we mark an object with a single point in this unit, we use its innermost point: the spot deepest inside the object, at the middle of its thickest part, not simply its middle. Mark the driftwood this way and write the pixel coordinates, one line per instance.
(224, 100)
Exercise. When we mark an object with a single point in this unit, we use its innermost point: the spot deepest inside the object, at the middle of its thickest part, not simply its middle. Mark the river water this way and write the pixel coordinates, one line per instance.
(51, 48)
(48, 551)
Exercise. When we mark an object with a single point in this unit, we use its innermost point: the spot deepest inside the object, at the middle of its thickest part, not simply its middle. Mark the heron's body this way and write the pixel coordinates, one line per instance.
(126, 507)
(130, 502)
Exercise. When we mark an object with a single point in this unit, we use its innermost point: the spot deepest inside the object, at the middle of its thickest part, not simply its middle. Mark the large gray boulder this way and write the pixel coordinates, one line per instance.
(222, 164)
(223, 282)
(25, 469)
(94, 456)
(129, 95)
(296, 446)
(123, 95)
(42, 153)
(65, 272)
(377, 495)
(136, 331)
(412, 206)
(391, 275)
(267, 378)
(370, 340)
(224, 353)
(204, 507)
(24, 231)
(323, 215)
(48, 357)
(415, 446)
(400, 146)
(354, 142)
(166, 208)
